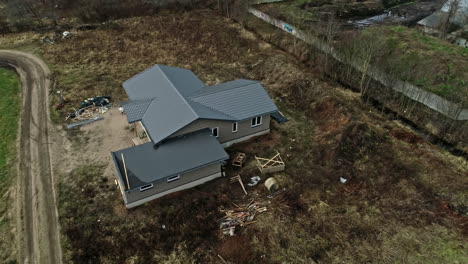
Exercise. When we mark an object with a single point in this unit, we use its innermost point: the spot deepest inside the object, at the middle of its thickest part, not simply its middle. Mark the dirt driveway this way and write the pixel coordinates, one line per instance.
(37, 217)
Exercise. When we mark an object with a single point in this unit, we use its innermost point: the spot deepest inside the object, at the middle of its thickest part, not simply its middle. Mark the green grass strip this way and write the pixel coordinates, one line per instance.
(9, 114)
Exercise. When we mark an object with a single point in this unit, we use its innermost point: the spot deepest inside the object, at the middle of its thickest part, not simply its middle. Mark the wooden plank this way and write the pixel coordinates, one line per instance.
(125, 169)
(274, 169)
(270, 165)
(242, 184)
(137, 141)
(271, 160)
(238, 178)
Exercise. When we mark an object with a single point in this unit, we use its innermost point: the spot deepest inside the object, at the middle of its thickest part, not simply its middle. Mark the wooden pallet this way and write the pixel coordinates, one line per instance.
(239, 159)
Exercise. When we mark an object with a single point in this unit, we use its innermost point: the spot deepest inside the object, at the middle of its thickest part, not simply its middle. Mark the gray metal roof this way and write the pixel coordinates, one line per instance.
(168, 113)
(135, 110)
(205, 112)
(240, 99)
(457, 9)
(223, 87)
(151, 81)
(181, 98)
(184, 80)
(147, 163)
(434, 20)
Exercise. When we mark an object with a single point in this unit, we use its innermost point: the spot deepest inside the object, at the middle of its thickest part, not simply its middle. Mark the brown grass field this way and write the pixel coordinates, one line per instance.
(405, 200)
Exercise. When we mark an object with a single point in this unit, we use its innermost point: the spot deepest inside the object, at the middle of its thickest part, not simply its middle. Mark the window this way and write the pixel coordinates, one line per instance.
(173, 178)
(234, 127)
(256, 121)
(146, 187)
(214, 132)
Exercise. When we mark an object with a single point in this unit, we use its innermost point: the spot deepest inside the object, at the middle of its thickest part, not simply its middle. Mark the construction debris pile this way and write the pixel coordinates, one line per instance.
(239, 217)
(90, 108)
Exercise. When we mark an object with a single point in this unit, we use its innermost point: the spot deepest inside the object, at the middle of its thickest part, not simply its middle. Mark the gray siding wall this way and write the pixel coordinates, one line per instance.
(225, 128)
(163, 185)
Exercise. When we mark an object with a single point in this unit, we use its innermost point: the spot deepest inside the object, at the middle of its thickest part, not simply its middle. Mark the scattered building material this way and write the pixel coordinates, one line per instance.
(239, 217)
(273, 195)
(137, 141)
(239, 159)
(90, 108)
(85, 122)
(238, 178)
(223, 260)
(254, 181)
(97, 101)
(271, 184)
(48, 40)
(66, 34)
(274, 164)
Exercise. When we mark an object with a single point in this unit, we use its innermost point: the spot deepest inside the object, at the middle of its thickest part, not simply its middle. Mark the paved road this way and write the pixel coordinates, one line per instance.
(37, 212)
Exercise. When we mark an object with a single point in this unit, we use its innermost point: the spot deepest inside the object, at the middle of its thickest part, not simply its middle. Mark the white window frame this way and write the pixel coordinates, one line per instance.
(146, 187)
(256, 121)
(217, 131)
(173, 178)
(236, 126)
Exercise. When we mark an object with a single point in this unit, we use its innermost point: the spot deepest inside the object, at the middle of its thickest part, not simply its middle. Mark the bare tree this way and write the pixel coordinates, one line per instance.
(328, 31)
(23, 14)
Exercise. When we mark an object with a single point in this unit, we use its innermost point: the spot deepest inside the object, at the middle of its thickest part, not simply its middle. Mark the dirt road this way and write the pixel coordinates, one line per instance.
(39, 239)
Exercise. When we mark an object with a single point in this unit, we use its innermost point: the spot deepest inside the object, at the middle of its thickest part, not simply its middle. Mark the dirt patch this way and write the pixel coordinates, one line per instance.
(329, 115)
(237, 249)
(406, 136)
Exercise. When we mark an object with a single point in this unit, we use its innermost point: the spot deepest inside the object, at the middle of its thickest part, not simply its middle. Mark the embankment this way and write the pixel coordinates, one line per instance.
(444, 120)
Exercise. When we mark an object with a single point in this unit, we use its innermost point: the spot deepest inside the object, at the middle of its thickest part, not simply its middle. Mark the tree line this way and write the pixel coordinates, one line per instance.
(20, 15)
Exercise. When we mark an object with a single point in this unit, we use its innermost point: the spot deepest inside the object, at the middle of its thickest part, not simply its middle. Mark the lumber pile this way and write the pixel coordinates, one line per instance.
(90, 108)
(87, 113)
(240, 216)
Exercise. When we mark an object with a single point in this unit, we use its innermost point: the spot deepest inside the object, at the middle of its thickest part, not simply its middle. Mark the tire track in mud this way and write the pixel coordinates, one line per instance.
(37, 218)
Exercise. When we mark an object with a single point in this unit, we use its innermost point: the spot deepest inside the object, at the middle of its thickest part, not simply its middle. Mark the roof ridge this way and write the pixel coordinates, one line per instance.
(140, 73)
(211, 108)
(146, 111)
(140, 100)
(213, 92)
(177, 91)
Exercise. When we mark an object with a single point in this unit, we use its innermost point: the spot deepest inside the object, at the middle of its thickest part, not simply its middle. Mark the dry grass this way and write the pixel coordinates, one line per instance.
(10, 109)
(390, 210)
(426, 61)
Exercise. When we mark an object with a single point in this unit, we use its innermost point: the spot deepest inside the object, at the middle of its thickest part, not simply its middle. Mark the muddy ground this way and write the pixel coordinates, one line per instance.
(36, 231)
(404, 199)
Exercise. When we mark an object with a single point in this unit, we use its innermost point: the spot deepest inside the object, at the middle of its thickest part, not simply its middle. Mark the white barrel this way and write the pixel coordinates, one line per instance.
(271, 184)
